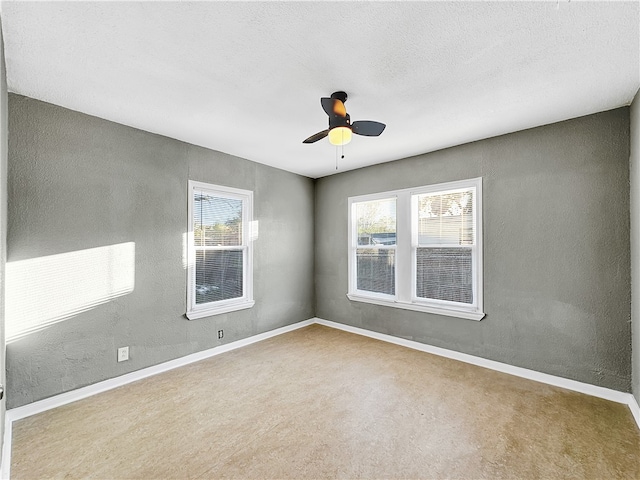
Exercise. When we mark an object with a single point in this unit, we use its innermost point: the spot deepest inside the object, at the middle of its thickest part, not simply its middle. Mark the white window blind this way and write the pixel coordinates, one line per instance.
(445, 246)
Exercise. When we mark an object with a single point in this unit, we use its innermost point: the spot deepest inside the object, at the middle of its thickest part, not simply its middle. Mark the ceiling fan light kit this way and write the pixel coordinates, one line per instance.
(341, 129)
(340, 136)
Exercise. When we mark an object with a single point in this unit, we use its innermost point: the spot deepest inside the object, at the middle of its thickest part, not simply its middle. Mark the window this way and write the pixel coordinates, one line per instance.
(419, 249)
(219, 248)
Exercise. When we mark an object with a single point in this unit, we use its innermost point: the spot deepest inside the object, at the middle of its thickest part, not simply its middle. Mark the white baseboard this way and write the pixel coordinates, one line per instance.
(635, 409)
(5, 468)
(593, 390)
(84, 392)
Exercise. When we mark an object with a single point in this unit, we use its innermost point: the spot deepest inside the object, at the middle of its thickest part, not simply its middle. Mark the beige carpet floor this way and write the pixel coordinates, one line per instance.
(322, 403)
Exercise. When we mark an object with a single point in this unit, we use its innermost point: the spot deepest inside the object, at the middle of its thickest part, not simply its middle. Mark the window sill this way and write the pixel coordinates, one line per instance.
(450, 312)
(218, 310)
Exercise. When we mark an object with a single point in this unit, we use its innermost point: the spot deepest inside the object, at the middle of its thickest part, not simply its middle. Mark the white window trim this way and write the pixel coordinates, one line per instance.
(406, 241)
(224, 306)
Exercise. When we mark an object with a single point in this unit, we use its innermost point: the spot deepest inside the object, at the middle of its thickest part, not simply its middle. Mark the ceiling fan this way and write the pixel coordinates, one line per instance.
(340, 127)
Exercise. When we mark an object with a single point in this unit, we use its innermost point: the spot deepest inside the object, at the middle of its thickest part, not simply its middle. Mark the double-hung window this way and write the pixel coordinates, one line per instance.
(419, 249)
(219, 251)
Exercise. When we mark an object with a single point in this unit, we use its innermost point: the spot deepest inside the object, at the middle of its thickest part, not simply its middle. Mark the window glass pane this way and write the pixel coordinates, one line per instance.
(376, 268)
(376, 222)
(446, 218)
(218, 275)
(445, 274)
(217, 221)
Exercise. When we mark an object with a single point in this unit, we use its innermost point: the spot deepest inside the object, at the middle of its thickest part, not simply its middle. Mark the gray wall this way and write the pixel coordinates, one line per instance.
(4, 109)
(556, 249)
(77, 182)
(634, 162)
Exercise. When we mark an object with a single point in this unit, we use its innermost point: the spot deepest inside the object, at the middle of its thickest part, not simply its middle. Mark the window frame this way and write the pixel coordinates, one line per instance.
(195, 311)
(406, 250)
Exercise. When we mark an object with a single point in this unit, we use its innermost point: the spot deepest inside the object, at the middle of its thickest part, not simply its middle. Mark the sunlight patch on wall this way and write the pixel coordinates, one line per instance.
(46, 290)
(187, 239)
(254, 230)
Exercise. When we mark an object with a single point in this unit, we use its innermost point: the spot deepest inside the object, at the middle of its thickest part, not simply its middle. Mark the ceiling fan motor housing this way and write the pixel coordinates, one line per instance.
(338, 121)
(342, 96)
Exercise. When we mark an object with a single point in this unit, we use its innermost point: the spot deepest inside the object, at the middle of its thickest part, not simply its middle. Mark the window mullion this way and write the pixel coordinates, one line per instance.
(403, 252)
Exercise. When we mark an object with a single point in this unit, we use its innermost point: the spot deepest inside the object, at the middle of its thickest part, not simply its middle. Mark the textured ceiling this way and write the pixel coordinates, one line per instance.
(246, 77)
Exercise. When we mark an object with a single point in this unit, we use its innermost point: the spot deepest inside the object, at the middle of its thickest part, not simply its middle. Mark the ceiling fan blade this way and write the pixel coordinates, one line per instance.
(317, 136)
(333, 106)
(368, 128)
(327, 105)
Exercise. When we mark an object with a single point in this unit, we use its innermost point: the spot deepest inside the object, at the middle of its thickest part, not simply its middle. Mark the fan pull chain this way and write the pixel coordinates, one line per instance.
(341, 155)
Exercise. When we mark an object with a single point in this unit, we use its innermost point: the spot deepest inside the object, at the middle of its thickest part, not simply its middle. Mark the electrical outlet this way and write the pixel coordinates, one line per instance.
(220, 334)
(123, 354)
